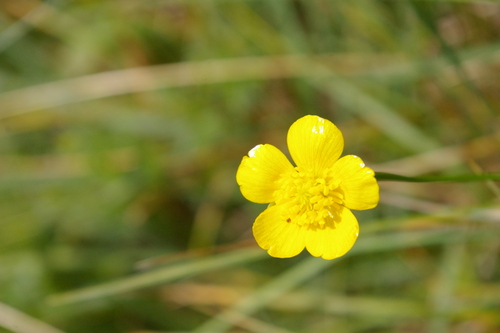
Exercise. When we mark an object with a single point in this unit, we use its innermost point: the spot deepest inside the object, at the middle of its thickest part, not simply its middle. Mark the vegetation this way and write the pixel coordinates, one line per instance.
(122, 124)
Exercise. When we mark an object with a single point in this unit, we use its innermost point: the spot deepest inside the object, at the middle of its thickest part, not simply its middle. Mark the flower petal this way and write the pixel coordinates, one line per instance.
(280, 238)
(335, 238)
(259, 171)
(358, 183)
(314, 143)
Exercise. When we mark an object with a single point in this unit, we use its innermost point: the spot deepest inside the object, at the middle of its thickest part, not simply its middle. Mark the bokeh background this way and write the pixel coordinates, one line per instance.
(122, 124)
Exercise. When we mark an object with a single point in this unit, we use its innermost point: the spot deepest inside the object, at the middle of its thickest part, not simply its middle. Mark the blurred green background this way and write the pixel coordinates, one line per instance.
(122, 124)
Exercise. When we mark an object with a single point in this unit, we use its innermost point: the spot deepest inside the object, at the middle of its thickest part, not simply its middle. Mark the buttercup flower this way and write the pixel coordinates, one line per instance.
(310, 204)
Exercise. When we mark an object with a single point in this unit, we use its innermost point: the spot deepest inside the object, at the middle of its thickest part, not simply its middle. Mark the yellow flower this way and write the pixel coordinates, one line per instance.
(310, 204)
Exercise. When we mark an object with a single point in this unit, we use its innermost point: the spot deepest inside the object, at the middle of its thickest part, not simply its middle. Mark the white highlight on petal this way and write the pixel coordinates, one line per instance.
(253, 151)
(319, 129)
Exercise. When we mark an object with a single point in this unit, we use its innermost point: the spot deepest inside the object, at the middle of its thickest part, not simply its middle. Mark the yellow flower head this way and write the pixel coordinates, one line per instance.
(310, 204)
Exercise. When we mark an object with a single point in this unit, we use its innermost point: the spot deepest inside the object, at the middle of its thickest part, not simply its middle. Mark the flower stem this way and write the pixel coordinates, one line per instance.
(381, 176)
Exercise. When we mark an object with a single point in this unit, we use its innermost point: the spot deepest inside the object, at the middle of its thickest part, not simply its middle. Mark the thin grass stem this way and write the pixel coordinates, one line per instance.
(383, 176)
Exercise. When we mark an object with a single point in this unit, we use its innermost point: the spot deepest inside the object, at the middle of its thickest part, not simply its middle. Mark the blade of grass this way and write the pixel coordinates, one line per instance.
(310, 267)
(19, 322)
(387, 242)
(142, 79)
(194, 295)
(442, 292)
(19, 29)
(425, 14)
(443, 158)
(289, 25)
(246, 322)
(368, 25)
(377, 114)
(439, 178)
(244, 20)
(158, 276)
(301, 272)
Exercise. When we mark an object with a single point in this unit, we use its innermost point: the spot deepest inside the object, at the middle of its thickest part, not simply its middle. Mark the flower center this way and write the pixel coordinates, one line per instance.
(309, 198)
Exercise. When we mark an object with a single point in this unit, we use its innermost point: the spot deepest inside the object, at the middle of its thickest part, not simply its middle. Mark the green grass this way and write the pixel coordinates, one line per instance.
(122, 124)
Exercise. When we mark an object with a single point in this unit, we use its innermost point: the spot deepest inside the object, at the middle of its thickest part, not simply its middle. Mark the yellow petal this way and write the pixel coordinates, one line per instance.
(259, 171)
(357, 182)
(335, 238)
(280, 238)
(314, 143)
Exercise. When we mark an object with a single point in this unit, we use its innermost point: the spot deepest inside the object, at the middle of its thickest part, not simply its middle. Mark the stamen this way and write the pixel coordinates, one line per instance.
(307, 198)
